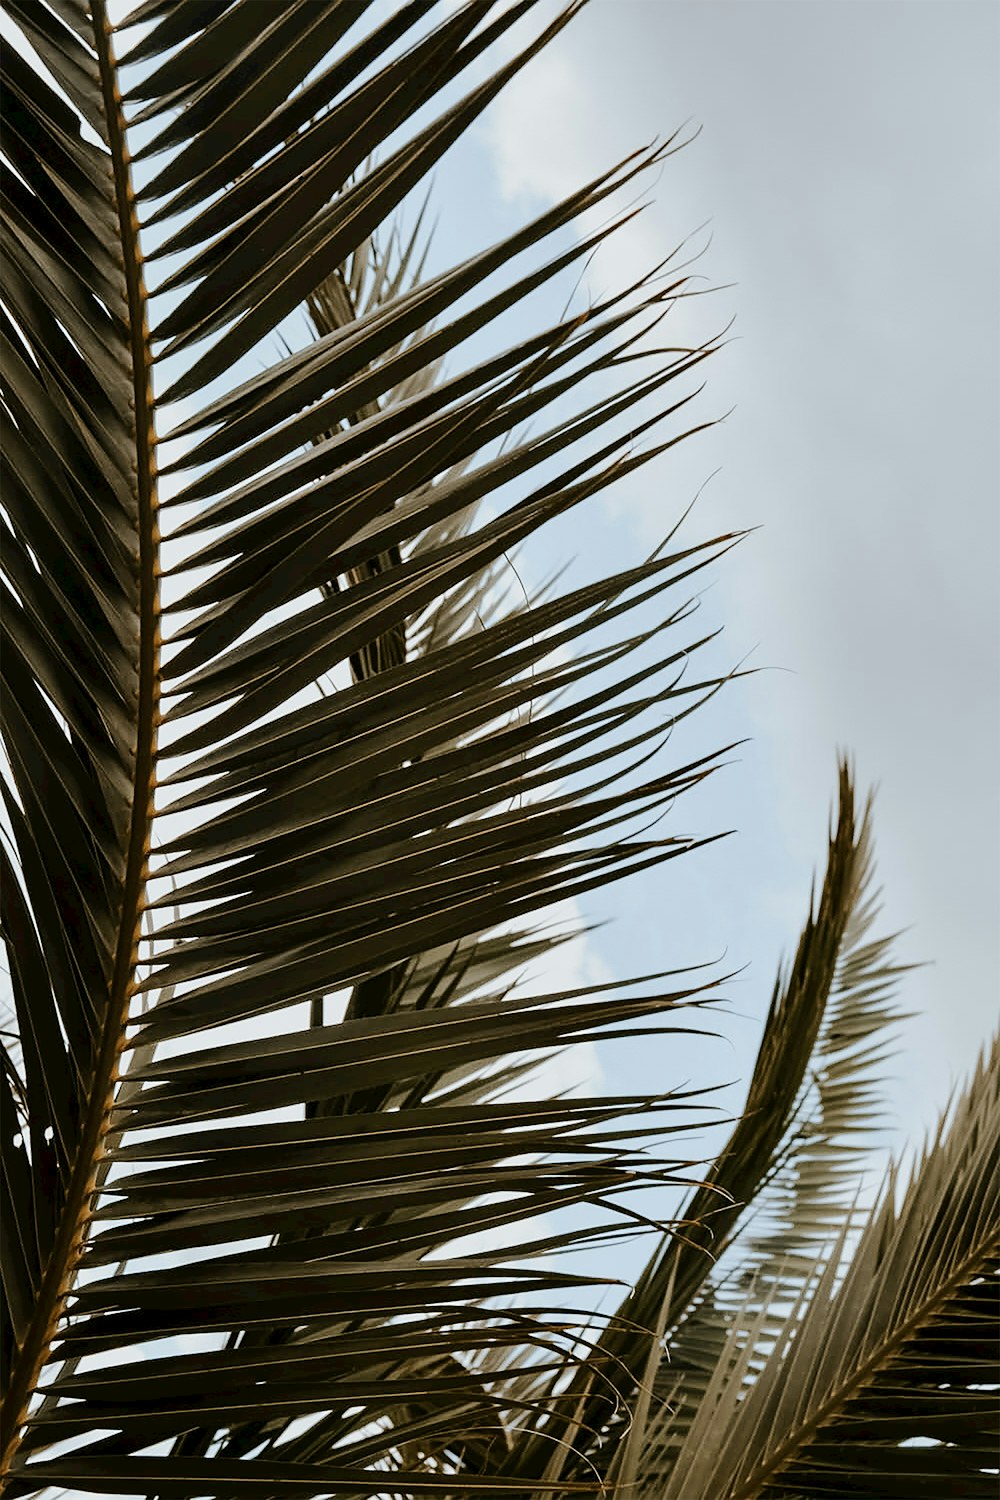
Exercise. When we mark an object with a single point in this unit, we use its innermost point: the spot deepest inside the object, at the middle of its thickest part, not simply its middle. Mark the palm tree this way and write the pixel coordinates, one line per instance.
(286, 790)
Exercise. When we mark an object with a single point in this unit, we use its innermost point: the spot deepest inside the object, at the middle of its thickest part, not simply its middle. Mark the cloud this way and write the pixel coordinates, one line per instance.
(534, 130)
(571, 965)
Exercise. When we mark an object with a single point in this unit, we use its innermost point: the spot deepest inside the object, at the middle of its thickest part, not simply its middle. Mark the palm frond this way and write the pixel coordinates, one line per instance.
(883, 1381)
(810, 1192)
(791, 1157)
(262, 1217)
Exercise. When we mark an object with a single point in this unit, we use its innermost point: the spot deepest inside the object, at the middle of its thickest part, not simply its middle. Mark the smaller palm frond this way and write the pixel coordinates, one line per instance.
(785, 1178)
(882, 1378)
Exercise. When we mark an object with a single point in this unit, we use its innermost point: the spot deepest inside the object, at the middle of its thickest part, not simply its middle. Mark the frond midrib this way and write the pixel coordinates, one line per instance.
(755, 1485)
(75, 1216)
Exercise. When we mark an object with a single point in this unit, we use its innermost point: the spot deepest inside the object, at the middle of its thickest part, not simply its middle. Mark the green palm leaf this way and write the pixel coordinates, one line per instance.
(289, 790)
(200, 838)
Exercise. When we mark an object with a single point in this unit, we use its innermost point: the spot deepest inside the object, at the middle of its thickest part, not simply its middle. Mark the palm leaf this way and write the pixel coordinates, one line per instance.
(803, 1202)
(791, 1159)
(200, 838)
(447, 976)
(882, 1381)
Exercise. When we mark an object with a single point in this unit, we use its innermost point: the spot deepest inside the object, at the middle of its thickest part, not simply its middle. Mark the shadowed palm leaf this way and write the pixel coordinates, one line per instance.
(204, 835)
(882, 1380)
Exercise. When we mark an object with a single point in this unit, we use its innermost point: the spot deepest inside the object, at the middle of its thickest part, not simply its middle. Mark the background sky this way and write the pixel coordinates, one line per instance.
(847, 169)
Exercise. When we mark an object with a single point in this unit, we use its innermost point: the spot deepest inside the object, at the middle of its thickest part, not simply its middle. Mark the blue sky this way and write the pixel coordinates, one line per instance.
(847, 168)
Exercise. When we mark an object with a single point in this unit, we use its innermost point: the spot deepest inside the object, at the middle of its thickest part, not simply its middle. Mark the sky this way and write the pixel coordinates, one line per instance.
(846, 172)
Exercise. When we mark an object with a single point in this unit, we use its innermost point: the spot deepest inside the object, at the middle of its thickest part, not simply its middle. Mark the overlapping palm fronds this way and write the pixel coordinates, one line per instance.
(289, 779)
(821, 1348)
(880, 1379)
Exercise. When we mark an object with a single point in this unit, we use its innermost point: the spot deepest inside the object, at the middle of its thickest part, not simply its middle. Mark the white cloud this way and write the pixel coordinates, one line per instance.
(534, 130)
